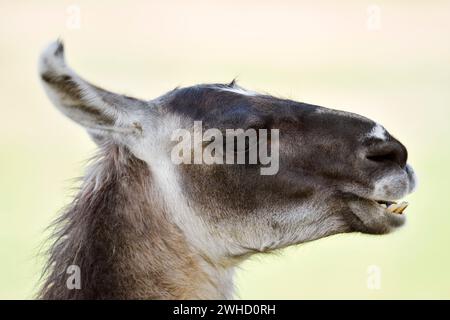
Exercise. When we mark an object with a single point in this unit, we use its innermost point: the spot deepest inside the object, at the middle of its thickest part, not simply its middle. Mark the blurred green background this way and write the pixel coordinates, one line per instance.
(388, 60)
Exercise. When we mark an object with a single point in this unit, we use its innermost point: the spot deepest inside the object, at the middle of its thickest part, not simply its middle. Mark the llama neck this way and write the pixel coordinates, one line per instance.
(118, 234)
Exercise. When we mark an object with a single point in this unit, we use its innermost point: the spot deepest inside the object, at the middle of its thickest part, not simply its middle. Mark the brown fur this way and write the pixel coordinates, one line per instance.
(117, 232)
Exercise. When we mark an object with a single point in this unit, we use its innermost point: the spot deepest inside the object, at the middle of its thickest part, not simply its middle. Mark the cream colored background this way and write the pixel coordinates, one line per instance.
(314, 51)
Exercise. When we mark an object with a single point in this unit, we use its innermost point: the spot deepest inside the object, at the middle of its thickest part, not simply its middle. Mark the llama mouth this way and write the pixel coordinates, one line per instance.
(392, 206)
(372, 216)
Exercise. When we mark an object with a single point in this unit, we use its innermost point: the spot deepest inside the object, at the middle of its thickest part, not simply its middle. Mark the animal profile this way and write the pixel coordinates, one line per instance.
(144, 227)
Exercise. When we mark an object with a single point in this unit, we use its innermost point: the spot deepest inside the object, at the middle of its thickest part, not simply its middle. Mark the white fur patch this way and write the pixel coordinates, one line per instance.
(392, 187)
(155, 152)
(49, 61)
(377, 132)
(239, 90)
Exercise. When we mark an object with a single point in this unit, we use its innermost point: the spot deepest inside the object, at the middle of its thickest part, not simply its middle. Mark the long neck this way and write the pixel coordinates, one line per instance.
(123, 242)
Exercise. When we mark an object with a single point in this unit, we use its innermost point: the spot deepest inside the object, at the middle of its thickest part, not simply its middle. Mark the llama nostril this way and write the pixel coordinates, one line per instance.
(389, 154)
(384, 157)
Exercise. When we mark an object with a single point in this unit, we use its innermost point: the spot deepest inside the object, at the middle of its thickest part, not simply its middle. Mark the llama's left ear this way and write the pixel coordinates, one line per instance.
(101, 112)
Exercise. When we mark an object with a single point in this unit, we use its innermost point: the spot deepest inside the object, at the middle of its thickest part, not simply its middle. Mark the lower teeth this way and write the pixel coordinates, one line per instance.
(397, 207)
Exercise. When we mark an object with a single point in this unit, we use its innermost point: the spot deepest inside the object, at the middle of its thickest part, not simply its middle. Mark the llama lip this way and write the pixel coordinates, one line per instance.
(393, 207)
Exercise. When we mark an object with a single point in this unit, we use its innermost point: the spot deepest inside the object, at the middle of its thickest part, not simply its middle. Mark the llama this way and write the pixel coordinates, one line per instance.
(142, 227)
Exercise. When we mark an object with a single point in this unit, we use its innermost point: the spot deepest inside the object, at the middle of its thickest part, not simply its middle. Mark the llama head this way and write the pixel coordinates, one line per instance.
(333, 171)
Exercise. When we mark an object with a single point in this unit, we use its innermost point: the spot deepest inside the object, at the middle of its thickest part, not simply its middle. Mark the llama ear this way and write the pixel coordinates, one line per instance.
(101, 112)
